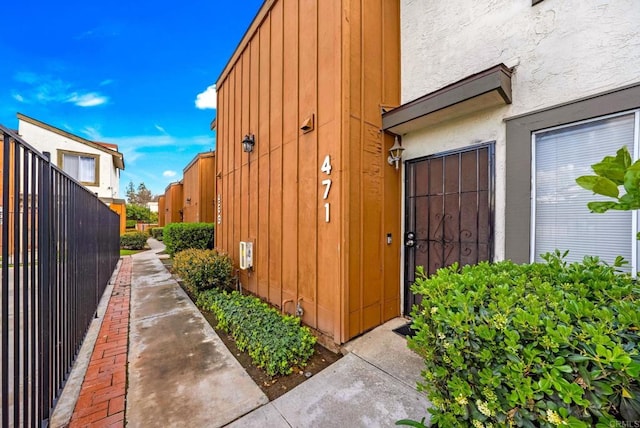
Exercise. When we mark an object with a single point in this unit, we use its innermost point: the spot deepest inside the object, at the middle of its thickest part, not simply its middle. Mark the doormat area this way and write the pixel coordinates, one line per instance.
(405, 330)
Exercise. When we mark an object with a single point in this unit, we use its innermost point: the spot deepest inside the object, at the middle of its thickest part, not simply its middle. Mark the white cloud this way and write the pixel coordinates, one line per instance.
(90, 99)
(207, 99)
(169, 173)
(137, 147)
(160, 128)
(91, 133)
(106, 82)
(44, 89)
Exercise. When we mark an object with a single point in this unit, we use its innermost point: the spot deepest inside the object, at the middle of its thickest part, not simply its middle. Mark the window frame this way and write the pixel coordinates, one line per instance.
(518, 156)
(634, 213)
(96, 157)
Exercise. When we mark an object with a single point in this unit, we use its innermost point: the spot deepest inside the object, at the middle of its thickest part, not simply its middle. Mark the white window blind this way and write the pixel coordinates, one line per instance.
(82, 168)
(562, 219)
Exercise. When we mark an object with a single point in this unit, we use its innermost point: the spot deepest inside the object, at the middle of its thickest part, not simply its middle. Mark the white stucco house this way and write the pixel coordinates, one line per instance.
(504, 104)
(96, 165)
(153, 206)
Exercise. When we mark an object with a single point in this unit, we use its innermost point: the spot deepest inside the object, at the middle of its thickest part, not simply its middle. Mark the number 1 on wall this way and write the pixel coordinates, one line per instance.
(326, 212)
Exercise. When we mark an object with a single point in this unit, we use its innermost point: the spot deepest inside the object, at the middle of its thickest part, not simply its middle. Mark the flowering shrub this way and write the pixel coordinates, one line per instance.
(203, 269)
(533, 345)
(275, 342)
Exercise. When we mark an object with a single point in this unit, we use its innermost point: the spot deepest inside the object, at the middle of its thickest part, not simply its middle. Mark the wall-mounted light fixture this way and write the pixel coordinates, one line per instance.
(188, 200)
(395, 153)
(248, 142)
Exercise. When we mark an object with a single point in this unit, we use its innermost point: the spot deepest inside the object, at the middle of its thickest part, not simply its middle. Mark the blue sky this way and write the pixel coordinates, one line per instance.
(138, 74)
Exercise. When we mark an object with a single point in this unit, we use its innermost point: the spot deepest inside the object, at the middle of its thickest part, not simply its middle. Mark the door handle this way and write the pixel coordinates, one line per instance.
(409, 240)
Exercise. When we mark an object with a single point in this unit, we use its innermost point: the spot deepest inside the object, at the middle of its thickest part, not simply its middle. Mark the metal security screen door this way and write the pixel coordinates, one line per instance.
(448, 212)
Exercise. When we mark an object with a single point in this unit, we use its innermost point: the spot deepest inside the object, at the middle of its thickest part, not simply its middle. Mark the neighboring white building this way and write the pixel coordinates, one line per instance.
(153, 206)
(96, 165)
(504, 104)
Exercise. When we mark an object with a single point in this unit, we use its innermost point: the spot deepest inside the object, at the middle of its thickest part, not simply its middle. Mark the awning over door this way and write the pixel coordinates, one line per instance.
(488, 88)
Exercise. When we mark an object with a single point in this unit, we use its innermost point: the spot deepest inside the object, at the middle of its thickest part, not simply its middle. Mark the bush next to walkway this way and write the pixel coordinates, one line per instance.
(203, 269)
(182, 236)
(275, 342)
(156, 233)
(533, 345)
(133, 240)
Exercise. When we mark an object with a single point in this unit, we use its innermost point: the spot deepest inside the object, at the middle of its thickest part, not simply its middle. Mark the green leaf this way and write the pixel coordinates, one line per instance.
(623, 157)
(632, 181)
(411, 423)
(578, 358)
(633, 369)
(587, 181)
(610, 170)
(599, 185)
(605, 187)
(601, 207)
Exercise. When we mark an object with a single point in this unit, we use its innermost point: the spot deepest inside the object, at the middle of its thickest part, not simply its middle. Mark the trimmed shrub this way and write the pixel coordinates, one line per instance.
(130, 224)
(182, 236)
(533, 345)
(203, 269)
(275, 342)
(156, 233)
(133, 240)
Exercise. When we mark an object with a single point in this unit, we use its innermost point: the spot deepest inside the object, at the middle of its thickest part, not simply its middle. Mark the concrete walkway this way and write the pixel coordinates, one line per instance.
(180, 374)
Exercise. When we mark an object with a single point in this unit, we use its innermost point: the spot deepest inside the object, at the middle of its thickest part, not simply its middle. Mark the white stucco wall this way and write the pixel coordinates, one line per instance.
(561, 50)
(46, 141)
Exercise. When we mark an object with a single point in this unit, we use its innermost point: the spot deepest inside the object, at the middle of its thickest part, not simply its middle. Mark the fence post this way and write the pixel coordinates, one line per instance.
(44, 256)
(5, 280)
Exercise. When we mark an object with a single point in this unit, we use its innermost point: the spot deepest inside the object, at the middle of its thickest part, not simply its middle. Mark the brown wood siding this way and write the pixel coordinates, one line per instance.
(337, 66)
(199, 189)
(121, 210)
(161, 210)
(174, 203)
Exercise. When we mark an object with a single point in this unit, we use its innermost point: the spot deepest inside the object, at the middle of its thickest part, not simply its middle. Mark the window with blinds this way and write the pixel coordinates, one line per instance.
(81, 168)
(561, 219)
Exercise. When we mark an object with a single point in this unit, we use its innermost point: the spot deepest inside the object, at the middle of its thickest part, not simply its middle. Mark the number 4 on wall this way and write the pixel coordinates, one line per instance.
(326, 165)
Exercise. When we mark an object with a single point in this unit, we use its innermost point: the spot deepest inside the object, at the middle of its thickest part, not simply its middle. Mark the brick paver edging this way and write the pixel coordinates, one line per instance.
(102, 397)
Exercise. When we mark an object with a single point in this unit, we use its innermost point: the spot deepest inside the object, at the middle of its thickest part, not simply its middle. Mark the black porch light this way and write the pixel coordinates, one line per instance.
(248, 142)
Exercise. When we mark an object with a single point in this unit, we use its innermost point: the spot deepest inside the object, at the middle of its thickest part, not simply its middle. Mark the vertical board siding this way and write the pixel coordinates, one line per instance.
(391, 207)
(263, 247)
(190, 178)
(328, 141)
(308, 165)
(161, 211)
(290, 250)
(275, 58)
(323, 61)
(199, 186)
(254, 86)
(207, 187)
(173, 203)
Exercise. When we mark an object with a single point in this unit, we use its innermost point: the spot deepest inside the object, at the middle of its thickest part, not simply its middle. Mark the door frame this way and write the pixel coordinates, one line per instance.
(407, 303)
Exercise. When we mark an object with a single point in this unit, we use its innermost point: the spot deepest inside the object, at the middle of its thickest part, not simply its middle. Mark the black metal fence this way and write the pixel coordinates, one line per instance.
(60, 245)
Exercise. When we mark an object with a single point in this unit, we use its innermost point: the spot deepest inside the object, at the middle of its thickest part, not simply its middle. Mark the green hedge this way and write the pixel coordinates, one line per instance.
(275, 342)
(156, 233)
(534, 345)
(182, 236)
(203, 269)
(133, 240)
(130, 224)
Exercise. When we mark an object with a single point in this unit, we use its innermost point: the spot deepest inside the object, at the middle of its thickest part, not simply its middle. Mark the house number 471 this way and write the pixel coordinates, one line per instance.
(326, 168)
